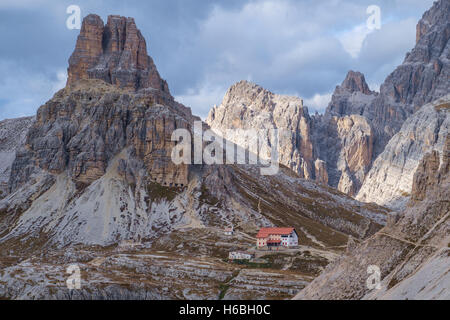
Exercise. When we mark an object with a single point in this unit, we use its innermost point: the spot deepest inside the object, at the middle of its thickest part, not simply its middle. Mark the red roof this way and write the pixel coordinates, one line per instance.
(265, 232)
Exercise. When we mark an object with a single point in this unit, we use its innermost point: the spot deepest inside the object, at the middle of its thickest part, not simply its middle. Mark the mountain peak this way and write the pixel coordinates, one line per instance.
(115, 53)
(356, 82)
(244, 85)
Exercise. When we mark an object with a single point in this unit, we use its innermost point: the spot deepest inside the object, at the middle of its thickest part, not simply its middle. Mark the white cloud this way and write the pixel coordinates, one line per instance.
(203, 98)
(352, 40)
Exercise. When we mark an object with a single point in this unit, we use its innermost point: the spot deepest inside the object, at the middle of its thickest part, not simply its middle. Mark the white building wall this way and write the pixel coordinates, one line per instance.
(293, 240)
(239, 256)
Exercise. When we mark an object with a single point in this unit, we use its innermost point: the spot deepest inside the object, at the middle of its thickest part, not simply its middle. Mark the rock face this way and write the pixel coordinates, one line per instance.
(335, 151)
(346, 144)
(94, 179)
(248, 106)
(12, 137)
(87, 124)
(425, 177)
(351, 97)
(411, 251)
(343, 137)
(321, 172)
(115, 53)
(390, 179)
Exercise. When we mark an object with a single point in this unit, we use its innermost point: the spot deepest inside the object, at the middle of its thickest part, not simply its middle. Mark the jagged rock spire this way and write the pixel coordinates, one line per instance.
(116, 53)
(356, 82)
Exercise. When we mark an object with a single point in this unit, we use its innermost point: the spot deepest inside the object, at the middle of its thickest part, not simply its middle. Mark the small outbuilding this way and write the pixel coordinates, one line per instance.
(240, 255)
(229, 231)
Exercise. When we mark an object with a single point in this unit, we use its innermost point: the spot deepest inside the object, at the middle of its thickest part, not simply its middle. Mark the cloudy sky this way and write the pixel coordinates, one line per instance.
(296, 47)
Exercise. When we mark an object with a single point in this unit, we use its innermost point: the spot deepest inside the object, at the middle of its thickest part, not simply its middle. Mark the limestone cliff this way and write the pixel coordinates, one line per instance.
(346, 144)
(411, 251)
(87, 124)
(12, 137)
(390, 180)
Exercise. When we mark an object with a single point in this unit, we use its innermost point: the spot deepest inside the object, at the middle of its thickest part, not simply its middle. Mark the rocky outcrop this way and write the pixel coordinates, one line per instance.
(438, 14)
(115, 53)
(390, 179)
(248, 106)
(425, 176)
(12, 137)
(87, 124)
(411, 251)
(95, 172)
(346, 144)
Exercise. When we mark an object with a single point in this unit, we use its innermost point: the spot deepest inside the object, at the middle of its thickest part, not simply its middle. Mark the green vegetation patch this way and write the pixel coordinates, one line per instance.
(158, 192)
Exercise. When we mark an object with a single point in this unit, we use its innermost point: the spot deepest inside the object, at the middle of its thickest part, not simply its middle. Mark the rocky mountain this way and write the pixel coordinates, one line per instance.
(351, 97)
(389, 147)
(390, 179)
(12, 136)
(411, 252)
(358, 123)
(93, 184)
(93, 145)
(346, 145)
